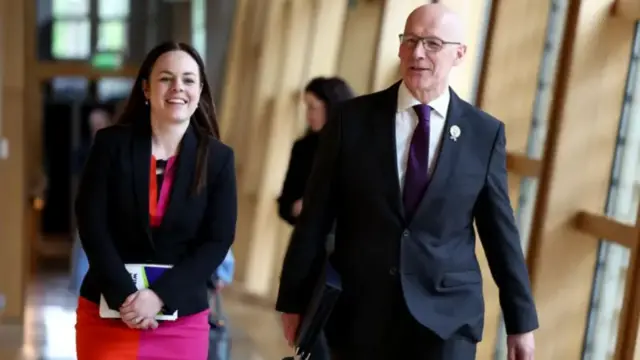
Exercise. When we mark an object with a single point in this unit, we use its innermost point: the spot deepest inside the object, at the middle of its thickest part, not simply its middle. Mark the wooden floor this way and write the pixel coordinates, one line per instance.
(50, 318)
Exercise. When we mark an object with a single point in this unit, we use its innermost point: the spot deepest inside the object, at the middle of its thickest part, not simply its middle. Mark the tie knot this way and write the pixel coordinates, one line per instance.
(423, 111)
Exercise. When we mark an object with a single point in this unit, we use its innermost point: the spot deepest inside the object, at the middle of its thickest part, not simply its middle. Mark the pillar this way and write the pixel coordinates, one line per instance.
(13, 171)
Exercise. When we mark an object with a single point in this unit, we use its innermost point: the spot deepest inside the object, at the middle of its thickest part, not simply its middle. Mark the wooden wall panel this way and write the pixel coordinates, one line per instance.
(516, 36)
(240, 49)
(13, 170)
(304, 53)
(359, 43)
(253, 108)
(474, 15)
(386, 69)
(325, 42)
(278, 136)
(629, 9)
(575, 174)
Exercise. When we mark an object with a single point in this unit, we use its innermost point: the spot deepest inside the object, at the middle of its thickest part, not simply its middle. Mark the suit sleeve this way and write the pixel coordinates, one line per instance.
(287, 198)
(215, 237)
(306, 250)
(92, 217)
(501, 242)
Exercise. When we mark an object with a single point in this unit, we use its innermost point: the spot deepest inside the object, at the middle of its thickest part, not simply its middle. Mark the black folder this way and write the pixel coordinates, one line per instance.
(324, 298)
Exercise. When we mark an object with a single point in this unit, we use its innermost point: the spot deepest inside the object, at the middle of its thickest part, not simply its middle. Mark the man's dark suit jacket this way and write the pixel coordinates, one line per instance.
(355, 181)
(112, 208)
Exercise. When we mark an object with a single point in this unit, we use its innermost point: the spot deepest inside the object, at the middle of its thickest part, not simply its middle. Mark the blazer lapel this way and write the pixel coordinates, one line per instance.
(183, 177)
(385, 142)
(448, 155)
(140, 166)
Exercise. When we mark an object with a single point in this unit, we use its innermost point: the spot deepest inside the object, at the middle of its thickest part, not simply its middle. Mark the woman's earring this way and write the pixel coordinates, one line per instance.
(146, 102)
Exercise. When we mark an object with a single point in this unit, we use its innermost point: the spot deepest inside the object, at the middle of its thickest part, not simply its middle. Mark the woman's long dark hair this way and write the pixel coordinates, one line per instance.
(203, 120)
(331, 90)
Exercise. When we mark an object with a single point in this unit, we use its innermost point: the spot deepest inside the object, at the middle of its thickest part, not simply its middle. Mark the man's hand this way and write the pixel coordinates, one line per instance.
(521, 346)
(290, 323)
(297, 208)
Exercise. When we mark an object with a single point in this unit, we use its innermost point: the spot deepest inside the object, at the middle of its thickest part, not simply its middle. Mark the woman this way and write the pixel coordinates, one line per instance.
(321, 95)
(158, 188)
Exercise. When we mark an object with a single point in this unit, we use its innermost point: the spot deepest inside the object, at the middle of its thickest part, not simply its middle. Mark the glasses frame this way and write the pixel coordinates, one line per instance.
(423, 41)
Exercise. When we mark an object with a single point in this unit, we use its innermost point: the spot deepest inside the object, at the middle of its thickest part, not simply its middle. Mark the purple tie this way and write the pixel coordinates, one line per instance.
(416, 176)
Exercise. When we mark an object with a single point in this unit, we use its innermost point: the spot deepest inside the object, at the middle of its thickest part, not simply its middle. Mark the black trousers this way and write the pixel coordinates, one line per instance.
(321, 350)
(386, 330)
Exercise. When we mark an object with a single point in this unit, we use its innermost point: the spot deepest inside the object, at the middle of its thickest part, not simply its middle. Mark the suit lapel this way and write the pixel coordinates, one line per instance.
(140, 167)
(447, 156)
(384, 127)
(183, 177)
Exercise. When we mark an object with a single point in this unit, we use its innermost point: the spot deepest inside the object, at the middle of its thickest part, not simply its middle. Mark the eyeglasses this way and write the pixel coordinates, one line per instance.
(430, 43)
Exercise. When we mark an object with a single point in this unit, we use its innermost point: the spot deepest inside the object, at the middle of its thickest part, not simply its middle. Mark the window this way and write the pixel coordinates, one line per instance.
(113, 88)
(199, 26)
(112, 36)
(71, 39)
(113, 16)
(69, 88)
(113, 9)
(622, 205)
(70, 29)
(72, 24)
(70, 8)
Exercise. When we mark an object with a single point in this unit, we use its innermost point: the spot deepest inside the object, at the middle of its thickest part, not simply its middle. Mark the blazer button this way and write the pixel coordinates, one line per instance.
(393, 271)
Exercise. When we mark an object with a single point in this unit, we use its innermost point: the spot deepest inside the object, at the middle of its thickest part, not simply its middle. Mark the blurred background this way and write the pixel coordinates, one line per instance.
(562, 74)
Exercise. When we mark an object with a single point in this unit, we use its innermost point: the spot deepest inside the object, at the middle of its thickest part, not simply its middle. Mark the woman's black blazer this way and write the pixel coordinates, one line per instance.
(300, 165)
(112, 210)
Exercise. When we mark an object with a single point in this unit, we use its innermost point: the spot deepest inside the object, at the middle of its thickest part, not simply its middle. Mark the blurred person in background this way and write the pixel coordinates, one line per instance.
(99, 118)
(219, 337)
(321, 96)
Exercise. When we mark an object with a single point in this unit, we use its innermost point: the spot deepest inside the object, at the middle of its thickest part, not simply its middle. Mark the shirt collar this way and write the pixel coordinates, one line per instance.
(406, 101)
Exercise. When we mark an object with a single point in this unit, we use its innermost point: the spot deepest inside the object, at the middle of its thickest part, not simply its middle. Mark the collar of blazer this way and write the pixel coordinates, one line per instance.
(184, 174)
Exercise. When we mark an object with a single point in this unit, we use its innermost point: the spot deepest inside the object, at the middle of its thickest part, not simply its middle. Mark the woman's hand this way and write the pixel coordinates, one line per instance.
(140, 309)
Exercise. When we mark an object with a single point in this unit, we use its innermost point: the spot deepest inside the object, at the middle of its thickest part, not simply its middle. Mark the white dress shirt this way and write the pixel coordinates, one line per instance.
(406, 122)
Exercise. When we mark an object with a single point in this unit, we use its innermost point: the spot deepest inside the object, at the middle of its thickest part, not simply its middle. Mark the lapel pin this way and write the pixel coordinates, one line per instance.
(454, 131)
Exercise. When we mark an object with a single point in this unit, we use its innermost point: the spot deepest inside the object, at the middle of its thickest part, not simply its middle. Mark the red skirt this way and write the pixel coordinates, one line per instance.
(111, 339)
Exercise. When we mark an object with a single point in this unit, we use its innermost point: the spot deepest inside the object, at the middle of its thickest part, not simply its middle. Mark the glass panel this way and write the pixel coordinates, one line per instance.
(107, 61)
(70, 8)
(199, 42)
(114, 8)
(71, 39)
(112, 35)
(69, 88)
(622, 205)
(113, 88)
(198, 13)
(198, 26)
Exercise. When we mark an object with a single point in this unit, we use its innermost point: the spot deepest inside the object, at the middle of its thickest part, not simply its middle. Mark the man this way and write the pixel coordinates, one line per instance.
(405, 172)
